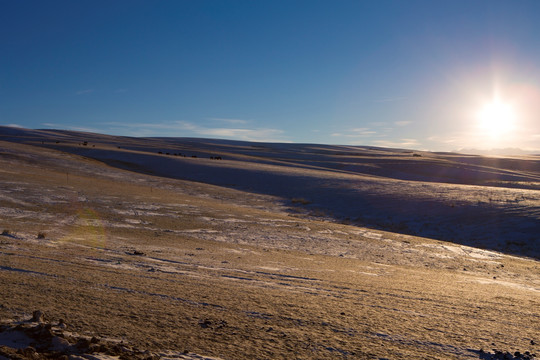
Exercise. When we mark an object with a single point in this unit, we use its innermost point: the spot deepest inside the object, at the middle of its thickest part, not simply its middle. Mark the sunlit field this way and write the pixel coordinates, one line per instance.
(209, 249)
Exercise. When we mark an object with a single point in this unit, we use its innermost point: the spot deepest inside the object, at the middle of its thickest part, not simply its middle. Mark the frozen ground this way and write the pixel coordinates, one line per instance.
(491, 203)
(258, 268)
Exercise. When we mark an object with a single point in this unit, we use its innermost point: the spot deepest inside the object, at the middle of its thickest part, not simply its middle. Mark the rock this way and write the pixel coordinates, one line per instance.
(29, 352)
(59, 344)
(42, 332)
(83, 344)
(205, 323)
(93, 348)
(125, 349)
(38, 316)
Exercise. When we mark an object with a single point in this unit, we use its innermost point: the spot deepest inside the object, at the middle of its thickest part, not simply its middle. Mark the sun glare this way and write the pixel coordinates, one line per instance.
(496, 118)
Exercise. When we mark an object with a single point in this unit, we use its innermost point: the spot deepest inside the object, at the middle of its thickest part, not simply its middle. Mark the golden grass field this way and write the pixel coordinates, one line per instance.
(188, 269)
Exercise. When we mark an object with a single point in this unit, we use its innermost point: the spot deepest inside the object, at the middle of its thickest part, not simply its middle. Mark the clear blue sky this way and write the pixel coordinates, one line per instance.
(411, 74)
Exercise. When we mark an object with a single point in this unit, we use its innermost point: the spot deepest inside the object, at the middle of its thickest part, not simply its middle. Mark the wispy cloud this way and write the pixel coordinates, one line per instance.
(401, 143)
(174, 128)
(355, 133)
(184, 128)
(69, 127)
(362, 131)
(244, 134)
(14, 126)
(85, 91)
(173, 125)
(230, 121)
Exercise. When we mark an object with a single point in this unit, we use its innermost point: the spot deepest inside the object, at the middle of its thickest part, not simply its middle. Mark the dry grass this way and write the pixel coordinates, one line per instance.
(231, 274)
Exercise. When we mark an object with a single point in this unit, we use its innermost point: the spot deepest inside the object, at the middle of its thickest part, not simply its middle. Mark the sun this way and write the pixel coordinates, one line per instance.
(496, 118)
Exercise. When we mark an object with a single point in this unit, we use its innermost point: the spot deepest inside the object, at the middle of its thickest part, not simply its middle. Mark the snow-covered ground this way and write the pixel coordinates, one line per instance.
(491, 203)
(274, 251)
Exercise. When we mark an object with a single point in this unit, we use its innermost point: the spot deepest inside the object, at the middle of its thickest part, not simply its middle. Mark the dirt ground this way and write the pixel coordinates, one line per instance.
(182, 268)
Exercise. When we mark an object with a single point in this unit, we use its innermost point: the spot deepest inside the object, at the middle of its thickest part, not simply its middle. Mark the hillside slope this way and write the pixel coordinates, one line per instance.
(178, 268)
(491, 203)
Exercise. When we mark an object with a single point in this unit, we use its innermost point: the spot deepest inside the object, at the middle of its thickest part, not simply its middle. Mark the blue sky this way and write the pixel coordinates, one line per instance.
(412, 74)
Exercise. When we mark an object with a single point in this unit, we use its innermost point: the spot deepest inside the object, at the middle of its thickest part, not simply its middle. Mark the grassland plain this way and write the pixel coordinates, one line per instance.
(182, 268)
